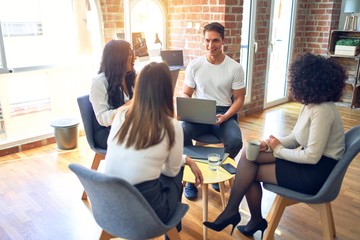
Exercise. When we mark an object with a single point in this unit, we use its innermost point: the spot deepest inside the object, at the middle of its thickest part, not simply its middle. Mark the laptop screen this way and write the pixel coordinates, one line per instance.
(173, 57)
(196, 110)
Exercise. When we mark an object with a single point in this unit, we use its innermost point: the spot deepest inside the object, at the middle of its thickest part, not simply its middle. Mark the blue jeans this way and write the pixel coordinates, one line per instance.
(228, 132)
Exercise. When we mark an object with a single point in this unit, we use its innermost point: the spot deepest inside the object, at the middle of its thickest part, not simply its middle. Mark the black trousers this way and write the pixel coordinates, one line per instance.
(101, 135)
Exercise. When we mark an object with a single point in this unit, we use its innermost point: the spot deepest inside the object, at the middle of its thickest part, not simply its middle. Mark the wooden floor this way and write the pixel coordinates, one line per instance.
(40, 197)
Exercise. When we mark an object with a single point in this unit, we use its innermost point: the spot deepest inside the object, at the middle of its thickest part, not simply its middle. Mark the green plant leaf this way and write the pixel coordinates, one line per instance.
(348, 42)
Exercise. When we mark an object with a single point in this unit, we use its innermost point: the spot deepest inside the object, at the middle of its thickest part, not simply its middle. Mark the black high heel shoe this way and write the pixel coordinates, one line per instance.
(261, 226)
(234, 220)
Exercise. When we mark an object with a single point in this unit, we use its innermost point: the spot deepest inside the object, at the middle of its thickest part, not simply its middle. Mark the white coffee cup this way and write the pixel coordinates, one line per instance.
(252, 149)
(213, 161)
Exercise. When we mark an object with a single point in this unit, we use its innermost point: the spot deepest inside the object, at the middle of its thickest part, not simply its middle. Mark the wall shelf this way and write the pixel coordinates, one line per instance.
(350, 63)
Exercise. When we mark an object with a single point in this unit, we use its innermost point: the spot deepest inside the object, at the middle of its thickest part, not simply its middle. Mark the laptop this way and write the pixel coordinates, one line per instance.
(196, 110)
(200, 154)
(174, 58)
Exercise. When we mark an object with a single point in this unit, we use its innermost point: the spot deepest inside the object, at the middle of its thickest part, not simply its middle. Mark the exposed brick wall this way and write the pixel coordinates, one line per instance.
(185, 19)
(314, 22)
(112, 13)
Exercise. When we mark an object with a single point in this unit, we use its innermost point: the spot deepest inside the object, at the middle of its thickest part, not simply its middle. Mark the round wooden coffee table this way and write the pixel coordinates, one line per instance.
(220, 176)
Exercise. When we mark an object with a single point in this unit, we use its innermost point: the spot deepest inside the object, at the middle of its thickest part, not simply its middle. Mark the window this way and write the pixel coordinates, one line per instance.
(148, 18)
(2, 53)
(36, 33)
(54, 49)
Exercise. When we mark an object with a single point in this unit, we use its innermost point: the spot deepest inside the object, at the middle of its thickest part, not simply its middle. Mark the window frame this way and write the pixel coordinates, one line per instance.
(3, 64)
(128, 7)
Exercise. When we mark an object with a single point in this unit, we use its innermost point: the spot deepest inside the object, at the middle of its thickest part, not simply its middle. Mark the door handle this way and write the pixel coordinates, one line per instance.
(255, 47)
(271, 46)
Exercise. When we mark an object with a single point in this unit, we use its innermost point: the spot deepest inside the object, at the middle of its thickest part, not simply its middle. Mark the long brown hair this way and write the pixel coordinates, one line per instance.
(113, 65)
(148, 119)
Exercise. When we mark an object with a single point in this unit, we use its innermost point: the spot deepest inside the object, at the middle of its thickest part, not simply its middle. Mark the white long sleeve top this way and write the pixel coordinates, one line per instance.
(318, 131)
(137, 166)
(99, 100)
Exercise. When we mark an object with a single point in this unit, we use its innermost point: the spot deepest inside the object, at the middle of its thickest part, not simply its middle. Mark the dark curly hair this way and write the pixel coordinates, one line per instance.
(316, 79)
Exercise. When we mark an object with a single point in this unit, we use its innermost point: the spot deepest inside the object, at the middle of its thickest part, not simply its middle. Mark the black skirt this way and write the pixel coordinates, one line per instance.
(304, 178)
(163, 194)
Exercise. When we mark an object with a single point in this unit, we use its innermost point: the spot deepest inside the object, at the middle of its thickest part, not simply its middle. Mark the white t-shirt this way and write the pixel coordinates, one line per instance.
(137, 166)
(214, 81)
(319, 130)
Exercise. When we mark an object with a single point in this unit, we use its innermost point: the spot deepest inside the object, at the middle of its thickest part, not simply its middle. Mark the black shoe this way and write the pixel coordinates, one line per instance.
(261, 226)
(234, 220)
(190, 191)
(216, 187)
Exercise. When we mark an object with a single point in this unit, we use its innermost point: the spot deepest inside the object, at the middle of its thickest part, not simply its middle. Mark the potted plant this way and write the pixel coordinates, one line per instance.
(347, 46)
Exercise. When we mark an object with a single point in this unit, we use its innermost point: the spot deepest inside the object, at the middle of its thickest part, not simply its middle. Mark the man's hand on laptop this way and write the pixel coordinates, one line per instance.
(220, 118)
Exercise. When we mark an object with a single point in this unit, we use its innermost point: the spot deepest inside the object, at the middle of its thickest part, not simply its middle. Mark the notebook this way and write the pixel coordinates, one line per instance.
(199, 154)
(196, 110)
(174, 58)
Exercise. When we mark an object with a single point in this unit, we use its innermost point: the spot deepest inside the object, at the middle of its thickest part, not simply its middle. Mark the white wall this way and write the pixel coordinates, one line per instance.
(343, 16)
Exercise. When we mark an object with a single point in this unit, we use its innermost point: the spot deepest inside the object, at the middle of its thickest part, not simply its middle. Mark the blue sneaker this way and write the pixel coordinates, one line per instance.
(190, 191)
(215, 186)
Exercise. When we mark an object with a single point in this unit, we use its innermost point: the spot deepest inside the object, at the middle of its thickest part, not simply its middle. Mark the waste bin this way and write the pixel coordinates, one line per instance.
(66, 133)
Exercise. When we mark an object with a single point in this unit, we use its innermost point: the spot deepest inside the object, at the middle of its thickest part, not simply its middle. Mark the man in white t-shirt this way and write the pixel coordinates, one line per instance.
(217, 77)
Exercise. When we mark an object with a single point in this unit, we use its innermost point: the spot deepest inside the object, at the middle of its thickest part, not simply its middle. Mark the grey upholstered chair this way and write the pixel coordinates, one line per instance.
(120, 209)
(320, 201)
(89, 122)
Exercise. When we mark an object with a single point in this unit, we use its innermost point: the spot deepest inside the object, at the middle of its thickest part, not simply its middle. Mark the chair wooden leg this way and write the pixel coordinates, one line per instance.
(95, 165)
(231, 182)
(105, 235)
(222, 194)
(327, 220)
(173, 234)
(332, 221)
(275, 213)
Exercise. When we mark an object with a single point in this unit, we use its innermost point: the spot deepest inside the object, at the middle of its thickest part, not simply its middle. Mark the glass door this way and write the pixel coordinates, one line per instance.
(248, 44)
(279, 51)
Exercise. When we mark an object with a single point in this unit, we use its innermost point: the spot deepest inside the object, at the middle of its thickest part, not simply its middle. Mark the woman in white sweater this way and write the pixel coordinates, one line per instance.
(112, 87)
(145, 145)
(302, 160)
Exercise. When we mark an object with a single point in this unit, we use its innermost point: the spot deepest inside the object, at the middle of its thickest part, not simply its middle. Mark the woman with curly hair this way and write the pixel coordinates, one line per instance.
(302, 160)
(112, 87)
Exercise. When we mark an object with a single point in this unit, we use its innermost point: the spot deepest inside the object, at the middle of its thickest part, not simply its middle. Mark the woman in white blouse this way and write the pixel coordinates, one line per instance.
(302, 160)
(145, 145)
(112, 87)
